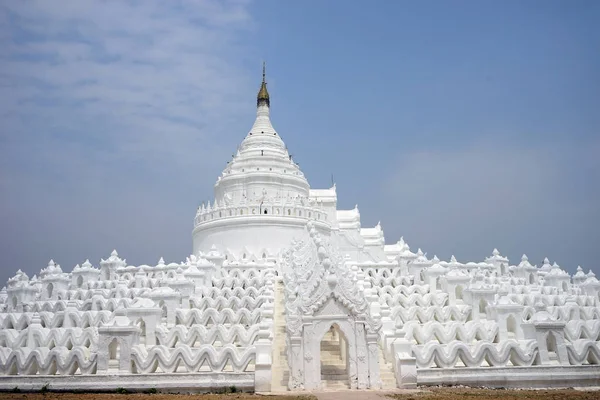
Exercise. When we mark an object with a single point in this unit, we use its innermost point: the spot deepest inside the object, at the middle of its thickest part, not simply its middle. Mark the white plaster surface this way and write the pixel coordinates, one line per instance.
(350, 311)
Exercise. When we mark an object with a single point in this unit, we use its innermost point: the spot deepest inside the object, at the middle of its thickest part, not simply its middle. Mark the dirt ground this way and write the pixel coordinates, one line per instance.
(142, 396)
(497, 394)
(423, 394)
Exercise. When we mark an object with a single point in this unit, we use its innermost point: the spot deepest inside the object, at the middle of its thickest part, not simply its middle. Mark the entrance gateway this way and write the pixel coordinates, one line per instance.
(322, 299)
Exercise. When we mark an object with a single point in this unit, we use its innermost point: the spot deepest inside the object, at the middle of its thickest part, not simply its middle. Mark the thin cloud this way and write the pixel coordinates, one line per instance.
(541, 201)
(106, 108)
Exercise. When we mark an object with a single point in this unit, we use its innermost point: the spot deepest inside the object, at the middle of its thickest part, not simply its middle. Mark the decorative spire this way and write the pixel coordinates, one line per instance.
(263, 94)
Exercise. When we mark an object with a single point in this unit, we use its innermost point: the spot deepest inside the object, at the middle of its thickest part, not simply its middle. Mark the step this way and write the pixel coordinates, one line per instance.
(333, 370)
(336, 385)
(332, 361)
(334, 377)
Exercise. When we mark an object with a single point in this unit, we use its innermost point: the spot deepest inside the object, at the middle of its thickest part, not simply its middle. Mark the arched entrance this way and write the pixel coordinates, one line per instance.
(114, 353)
(458, 292)
(511, 327)
(482, 308)
(335, 350)
(49, 290)
(551, 346)
(142, 325)
(334, 359)
(330, 331)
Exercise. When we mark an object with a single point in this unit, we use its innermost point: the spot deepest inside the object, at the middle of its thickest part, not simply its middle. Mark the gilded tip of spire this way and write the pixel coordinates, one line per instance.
(263, 94)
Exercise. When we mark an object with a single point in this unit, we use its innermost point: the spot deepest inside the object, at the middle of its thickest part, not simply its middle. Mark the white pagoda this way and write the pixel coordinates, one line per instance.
(283, 291)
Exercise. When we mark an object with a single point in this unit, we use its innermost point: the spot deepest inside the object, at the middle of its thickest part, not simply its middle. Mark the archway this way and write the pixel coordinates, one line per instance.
(14, 302)
(551, 346)
(511, 327)
(565, 287)
(531, 279)
(114, 354)
(142, 325)
(79, 281)
(458, 292)
(334, 359)
(49, 290)
(482, 307)
(163, 307)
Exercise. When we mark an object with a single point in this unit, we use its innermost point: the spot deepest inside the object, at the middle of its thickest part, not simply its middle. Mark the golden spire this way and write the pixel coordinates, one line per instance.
(263, 95)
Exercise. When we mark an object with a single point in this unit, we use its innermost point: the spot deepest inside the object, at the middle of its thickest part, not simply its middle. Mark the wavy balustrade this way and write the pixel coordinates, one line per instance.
(228, 282)
(496, 355)
(75, 319)
(234, 303)
(50, 338)
(44, 361)
(227, 292)
(440, 314)
(402, 289)
(579, 329)
(415, 299)
(213, 316)
(235, 334)
(184, 358)
(55, 320)
(451, 331)
(583, 351)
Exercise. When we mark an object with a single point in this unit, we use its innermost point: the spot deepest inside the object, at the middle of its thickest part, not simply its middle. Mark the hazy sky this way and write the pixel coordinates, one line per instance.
(461, 125)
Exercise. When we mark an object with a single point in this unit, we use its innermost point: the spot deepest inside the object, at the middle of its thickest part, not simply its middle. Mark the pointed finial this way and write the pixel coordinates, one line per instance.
(263, 94)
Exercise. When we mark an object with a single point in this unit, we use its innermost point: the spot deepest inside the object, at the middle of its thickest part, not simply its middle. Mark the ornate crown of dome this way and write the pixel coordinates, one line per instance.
(263, 94)
(262, 166)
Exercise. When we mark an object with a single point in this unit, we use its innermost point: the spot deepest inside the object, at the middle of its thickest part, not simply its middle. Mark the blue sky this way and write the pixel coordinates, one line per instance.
(462, 125)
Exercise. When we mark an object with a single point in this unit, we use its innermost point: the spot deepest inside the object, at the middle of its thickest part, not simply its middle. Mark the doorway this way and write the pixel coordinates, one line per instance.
(334, 359)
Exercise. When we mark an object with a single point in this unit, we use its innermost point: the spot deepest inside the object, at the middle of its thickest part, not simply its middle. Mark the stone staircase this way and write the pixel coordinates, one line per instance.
(280, 372)
(334, 375)
(386, 372)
